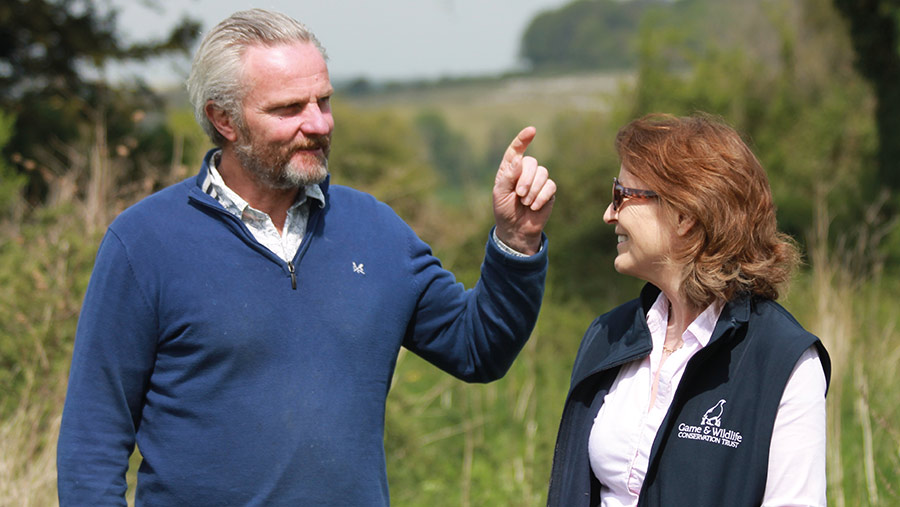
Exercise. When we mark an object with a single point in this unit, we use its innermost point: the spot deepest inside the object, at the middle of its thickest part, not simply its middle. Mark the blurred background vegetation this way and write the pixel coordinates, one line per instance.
(813, 84)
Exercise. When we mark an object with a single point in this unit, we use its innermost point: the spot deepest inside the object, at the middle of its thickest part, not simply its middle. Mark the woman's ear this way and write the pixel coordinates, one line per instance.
(221, 120)
(685, 224)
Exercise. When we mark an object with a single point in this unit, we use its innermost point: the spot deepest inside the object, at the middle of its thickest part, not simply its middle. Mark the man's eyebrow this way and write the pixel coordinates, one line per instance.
(283, 104)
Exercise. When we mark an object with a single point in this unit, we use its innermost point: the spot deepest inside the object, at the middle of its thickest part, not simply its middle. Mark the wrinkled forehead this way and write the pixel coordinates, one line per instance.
(291, 67)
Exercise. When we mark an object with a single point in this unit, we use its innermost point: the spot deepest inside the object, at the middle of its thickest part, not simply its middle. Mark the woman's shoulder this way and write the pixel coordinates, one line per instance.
(777, 334)
(769, 315)
(612, 335)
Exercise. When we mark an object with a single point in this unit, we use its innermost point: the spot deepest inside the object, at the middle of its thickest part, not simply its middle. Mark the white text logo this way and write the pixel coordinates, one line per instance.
(710, 428)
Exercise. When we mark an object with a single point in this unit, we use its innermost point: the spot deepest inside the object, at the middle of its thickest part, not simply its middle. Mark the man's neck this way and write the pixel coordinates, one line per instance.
(271, 201)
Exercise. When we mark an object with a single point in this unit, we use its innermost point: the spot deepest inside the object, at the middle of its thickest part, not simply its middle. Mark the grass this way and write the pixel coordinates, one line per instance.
(28, 455)
(853, 311)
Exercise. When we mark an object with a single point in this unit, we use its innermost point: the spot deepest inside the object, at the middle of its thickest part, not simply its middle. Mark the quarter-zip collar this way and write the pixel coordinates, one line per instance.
(200, 197)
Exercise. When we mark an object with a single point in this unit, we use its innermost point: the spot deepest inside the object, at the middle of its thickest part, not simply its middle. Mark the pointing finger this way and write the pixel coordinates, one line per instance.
(518, 146)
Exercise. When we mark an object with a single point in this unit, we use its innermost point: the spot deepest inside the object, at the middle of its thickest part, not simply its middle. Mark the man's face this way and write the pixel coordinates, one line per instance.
(286, 133)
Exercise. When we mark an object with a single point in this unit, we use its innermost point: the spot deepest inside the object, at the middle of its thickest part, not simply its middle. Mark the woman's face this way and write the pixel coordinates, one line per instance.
(646, 234)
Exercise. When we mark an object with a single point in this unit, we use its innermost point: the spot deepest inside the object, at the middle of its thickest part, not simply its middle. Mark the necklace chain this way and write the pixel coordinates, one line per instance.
(668, 351)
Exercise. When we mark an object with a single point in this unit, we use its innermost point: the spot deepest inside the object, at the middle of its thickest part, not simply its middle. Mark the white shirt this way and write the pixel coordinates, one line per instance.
(626, 425)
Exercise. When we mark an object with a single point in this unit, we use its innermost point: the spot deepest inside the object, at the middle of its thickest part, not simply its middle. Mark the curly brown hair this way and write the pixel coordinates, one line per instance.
(701, 168)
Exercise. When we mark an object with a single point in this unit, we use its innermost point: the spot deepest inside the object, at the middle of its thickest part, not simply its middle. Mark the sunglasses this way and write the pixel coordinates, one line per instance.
(620, 194)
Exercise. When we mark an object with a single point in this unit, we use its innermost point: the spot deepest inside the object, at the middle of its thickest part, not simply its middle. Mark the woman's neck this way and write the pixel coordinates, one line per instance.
(681, 315)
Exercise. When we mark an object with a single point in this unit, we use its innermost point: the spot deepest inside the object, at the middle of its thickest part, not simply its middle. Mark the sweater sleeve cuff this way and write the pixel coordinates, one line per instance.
(509, 256)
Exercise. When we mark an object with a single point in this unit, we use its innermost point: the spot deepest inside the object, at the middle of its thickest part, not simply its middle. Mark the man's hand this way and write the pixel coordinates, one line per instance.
(523, 196)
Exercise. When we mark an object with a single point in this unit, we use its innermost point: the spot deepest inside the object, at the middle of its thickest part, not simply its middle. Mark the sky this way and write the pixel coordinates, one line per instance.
(380, 40)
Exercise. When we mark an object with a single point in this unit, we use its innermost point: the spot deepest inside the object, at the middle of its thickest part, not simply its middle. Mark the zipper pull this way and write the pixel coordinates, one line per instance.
(293, 275)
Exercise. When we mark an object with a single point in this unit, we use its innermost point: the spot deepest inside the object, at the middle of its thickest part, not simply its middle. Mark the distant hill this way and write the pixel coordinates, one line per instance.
(603, 34)
(475, 107)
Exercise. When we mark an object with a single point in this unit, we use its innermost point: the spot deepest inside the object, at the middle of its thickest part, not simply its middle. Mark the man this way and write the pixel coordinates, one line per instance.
(242, 327)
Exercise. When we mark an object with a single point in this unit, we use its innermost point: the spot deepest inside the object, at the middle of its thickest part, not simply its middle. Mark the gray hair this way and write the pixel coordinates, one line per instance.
(217, 67)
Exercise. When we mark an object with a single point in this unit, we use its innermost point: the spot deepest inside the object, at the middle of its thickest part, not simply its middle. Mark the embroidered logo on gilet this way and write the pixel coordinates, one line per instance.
(710, 428)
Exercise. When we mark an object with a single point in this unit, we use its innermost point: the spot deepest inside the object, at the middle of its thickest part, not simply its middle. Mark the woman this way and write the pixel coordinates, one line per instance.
(704, 390)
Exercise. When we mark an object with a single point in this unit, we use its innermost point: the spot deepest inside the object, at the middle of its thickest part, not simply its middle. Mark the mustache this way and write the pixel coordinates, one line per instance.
(313, 143)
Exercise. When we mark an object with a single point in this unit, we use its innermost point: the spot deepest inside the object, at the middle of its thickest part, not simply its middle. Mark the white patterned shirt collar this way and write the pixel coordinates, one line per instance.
(285, 244)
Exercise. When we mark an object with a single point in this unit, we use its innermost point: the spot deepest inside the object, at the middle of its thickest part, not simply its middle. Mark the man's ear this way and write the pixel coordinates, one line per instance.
(685, 224)
(222, 121)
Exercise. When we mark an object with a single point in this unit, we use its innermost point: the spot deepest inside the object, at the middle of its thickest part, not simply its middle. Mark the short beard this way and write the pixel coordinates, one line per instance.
(272, 165)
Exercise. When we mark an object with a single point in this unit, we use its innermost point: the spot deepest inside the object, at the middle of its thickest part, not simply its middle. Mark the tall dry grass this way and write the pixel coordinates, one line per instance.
(852, 309)
(45, 262)
(28, 456)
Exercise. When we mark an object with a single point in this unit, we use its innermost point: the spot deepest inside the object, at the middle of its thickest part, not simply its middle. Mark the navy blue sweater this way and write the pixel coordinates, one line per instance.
(706, 452)
(246, 380)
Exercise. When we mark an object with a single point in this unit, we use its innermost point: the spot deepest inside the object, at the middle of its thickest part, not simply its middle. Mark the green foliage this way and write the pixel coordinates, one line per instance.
(448, 151)
(382, 154)
(604, 34)
(584, 34)
(45, 264)
(51, 52)
(451, 444)
(583, 246)
(44, 269)
(182, 125)
(875, 32)
(10, 182)
(43, 43)
(803, 112)
(855, 316)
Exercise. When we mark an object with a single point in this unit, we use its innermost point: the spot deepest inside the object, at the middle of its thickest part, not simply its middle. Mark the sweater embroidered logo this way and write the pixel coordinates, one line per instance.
(710, 428)
(358, 268)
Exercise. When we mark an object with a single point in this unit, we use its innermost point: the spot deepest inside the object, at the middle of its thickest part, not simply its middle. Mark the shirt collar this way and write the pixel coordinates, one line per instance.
(701, 328)
(215, 186)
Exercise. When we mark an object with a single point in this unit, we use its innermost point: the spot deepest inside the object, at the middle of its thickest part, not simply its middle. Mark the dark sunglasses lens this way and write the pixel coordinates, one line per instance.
(616, 196)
